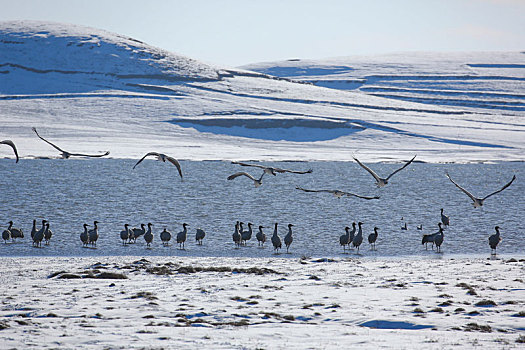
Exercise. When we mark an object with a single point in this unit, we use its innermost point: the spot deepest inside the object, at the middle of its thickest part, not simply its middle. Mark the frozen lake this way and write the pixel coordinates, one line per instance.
(71, 192)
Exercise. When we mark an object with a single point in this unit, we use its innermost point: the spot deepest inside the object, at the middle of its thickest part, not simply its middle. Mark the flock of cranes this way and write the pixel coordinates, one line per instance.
(351, 238)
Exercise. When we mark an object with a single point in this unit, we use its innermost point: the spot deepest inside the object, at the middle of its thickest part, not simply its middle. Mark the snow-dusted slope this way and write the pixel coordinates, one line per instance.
(90, 90)
(481, 80)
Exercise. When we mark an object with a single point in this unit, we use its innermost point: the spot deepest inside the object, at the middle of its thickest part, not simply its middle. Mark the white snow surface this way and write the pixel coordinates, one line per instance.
(229, 303)
(88, 90)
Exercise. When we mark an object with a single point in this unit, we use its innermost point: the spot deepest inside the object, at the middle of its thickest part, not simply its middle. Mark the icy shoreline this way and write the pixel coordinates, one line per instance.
(261, 302)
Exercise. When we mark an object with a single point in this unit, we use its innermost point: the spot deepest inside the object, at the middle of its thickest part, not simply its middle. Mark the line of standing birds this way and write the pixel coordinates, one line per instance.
(90, 237)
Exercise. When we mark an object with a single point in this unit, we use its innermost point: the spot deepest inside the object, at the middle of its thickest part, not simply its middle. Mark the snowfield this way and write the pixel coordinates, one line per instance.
(89, 90)
(232, 303)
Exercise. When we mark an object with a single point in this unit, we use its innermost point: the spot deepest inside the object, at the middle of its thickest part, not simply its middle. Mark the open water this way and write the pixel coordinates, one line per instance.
(71, 192)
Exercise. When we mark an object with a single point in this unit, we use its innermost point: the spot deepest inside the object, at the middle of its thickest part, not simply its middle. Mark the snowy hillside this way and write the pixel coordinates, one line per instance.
(89, 90)
(483, 80)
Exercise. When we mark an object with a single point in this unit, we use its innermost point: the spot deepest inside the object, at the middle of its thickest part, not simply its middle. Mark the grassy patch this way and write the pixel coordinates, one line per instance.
(486, 302)
(469, 327)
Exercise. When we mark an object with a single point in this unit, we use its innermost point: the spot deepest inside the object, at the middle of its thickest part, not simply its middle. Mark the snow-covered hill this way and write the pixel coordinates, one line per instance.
(482, 80)
(89, 90)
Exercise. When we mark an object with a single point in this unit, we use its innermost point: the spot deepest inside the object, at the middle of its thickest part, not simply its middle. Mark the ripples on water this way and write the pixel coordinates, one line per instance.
(69, 193)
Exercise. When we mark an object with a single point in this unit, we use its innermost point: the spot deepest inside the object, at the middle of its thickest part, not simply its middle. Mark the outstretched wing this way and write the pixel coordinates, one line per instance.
(11, 143)
(279, 170)
(403, 167)
(367, 169)
(231, 177)
(252, 165)
(462, 189)
(176, 163)
(43, 139)
(88, 155)
(305, 190)
(504, 187)
(358, 196)
(147, 154)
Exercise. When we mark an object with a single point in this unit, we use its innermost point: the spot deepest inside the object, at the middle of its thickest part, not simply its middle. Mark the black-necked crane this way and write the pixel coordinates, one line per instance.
(165, 237)
(256, 182)
(148, 236)
(124, 234)
(380, 182)
(181, 236)
(478, 202)
(494, 241)
(358, 239)
(338, 193)
(261, 237)
(445, 219)
(199, 235)
(372, 238)
(66, 154)
(93, 234)
(276, 240)
(236, 235)
(288, 239)
(345, 238)
(163, 158)
(84, 236)
(273, 170)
